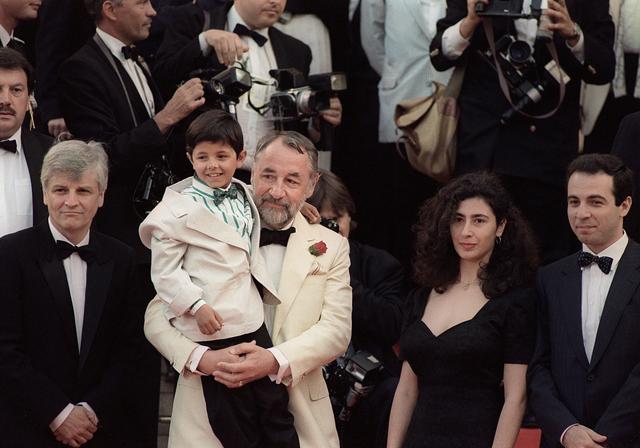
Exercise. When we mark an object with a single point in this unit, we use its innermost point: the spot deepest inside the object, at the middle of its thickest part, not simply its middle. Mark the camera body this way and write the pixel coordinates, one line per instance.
(349, 379)
(223, 89)
(510, 8)
(297, 98)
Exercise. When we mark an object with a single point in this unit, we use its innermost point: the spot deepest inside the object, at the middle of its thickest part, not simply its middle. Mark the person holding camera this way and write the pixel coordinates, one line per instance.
(213, 35)
(469, 328)
(378, 286)
(531, 154)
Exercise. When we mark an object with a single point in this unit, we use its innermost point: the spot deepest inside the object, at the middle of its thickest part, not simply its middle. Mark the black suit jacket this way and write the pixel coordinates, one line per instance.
(564, 388)
(625, 146)
(180, 51)
(35, 146)
(534, 149)
(41, 368)
(95, 108)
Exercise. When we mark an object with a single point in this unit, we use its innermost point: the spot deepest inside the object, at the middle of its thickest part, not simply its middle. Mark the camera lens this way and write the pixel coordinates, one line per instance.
(519, 52)
(330, 224)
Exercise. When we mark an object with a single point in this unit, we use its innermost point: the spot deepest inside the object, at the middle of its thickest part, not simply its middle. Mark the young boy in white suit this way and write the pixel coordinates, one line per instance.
(206, 266)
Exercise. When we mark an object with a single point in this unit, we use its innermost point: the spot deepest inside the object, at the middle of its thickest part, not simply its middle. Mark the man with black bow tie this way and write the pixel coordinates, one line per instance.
(21, 150)
(215, 34)
(584, 379)
(308, 265)
(68, 334)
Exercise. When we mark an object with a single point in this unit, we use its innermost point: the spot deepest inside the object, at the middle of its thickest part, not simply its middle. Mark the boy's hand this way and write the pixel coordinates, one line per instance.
(311, 213)
(208, 320)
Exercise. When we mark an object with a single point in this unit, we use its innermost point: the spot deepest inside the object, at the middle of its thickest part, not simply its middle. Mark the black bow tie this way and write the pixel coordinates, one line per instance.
(281, 237)
(586, 258)
(131, 52)
(9, 145)
(64, 250)
(219, 195)
(242, 30)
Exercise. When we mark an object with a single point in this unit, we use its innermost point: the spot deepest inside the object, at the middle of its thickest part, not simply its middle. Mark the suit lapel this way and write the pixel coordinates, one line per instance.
(33, 154)
(572, 306)
(279, 49)
(295, 268)
(99, 275)
(201, 220)
(53, 272)
(625, 283)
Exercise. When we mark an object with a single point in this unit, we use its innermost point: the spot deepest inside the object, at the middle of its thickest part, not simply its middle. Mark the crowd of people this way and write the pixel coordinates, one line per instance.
(309, 287)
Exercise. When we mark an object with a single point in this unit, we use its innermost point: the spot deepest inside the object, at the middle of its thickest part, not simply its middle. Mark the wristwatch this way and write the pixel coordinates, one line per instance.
(576, 32)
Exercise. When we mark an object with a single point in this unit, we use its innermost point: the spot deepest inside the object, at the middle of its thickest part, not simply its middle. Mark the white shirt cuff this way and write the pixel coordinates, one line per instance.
(62, 416)
(284, 365)
(453, 44)
(196, 306)
(565, 431)
(86, 405)
(204, 47)
(578, 48)
(194, 360)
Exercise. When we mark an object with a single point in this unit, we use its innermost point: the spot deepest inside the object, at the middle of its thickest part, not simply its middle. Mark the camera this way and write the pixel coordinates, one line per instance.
(509, 8)
(349, 379)
(519, 68)
(330, 224)
(297, 98)
(223, 89)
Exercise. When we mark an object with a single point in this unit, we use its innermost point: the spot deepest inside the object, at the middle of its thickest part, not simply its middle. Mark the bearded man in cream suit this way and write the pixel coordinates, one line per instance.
(309, 267)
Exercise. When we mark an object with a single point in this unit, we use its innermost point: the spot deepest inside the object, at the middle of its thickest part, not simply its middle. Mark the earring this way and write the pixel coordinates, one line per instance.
(32, 123)
(498, 240)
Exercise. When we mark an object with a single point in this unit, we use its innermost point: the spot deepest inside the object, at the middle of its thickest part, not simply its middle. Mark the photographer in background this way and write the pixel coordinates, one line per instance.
(215, 35)
(378, 285)
(531, 155)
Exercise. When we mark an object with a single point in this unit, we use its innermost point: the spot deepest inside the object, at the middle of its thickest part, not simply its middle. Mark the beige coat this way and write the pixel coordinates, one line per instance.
(312, 326)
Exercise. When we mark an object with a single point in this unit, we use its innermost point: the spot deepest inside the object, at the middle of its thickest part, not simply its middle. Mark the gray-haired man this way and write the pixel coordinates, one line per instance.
(66, 330)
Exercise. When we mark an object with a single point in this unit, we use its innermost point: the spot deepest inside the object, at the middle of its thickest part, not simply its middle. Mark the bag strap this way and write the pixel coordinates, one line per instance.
(103, 47)
(455, 82)
(488, 29)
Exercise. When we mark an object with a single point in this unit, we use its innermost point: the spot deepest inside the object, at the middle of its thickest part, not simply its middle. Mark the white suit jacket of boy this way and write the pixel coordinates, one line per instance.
(312, 326)
(196, 255)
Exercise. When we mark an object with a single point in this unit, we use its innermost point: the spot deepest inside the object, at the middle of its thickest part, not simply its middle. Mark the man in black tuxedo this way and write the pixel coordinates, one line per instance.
(625, 146)
(213, 34)
(21, 150)
(67, 331)
(11, 14)
(584, 378)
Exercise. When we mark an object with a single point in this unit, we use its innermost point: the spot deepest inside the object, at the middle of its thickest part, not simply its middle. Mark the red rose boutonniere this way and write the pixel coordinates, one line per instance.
(318, 248)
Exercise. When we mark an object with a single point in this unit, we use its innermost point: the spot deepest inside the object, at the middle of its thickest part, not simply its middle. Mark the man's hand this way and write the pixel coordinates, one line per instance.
(582, 437)
(57, 126)
(77, 429)
(228, 46)
(333, 115)
(208, 320)
(185, 100)
(258, 362)
(561, 21)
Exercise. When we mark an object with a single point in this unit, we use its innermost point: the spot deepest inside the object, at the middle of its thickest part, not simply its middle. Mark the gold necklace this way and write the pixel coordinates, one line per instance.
(467, 285)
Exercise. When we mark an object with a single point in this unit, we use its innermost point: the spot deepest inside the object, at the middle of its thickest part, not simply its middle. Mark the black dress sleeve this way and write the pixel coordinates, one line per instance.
(519, 326)
(412, 311)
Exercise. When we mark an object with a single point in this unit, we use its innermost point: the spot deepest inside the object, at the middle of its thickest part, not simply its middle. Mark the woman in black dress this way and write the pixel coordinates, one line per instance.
(469, 329)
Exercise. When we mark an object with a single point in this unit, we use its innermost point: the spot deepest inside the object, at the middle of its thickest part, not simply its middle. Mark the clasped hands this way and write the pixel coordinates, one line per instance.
(238, 365)
(78, 428)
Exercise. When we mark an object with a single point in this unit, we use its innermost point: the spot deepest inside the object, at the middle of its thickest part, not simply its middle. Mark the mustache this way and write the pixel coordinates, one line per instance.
(270, 199)
(7, 108)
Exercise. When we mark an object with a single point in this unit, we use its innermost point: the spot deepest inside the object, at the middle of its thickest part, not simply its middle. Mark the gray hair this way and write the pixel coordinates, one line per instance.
(293, 140)
(94, 7)
(73, 158)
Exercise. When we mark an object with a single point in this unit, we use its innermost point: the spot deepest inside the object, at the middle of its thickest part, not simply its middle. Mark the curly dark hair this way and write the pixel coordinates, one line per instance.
(513, 261)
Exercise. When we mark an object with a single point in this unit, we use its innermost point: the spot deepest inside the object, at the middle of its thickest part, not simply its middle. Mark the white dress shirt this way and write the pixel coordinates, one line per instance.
(133, 70)
(75, 268)
(595, 287)
(258, 61)
(16, 200)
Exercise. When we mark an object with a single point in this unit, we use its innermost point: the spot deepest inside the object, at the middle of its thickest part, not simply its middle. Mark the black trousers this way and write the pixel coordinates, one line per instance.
(255, 415)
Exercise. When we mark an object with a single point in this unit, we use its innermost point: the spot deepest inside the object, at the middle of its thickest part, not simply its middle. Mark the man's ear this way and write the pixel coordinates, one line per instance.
(625, 206)
(108, 10)
(313, 180)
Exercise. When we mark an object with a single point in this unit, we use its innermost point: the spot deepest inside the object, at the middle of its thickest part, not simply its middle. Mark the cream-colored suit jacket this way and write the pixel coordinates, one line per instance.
(196, 255)
(312, 326)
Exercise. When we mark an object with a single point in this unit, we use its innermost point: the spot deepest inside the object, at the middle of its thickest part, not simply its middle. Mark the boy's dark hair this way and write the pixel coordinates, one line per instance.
(12, 60)
(609, 165)
(216, 126)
